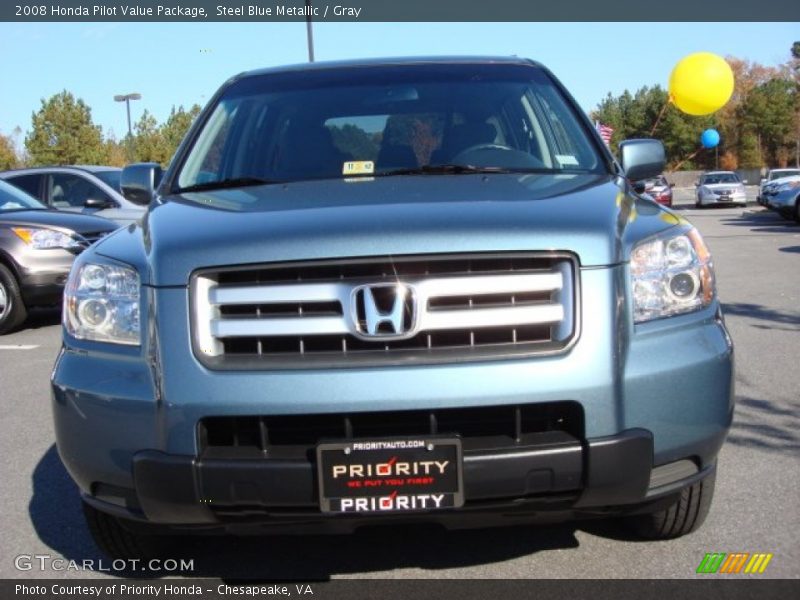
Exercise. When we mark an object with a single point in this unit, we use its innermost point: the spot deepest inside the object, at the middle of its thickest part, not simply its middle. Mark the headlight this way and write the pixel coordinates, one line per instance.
(704, 191)
(671, 275)
(42, 239)
(101, 302)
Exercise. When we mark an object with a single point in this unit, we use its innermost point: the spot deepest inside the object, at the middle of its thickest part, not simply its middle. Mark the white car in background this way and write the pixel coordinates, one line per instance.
(720, 187)
(771, 177)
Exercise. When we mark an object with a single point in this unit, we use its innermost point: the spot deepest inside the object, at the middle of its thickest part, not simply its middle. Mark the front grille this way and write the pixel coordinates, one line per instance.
(448, 308)
(93, 237)
(293, 436)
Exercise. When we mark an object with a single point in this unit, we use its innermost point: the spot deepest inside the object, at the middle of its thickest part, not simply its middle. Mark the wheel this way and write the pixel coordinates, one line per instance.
(684, 516)
(12, 309)
(117, 541)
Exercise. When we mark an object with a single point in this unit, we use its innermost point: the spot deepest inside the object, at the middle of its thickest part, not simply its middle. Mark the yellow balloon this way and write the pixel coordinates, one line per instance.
(701, 83)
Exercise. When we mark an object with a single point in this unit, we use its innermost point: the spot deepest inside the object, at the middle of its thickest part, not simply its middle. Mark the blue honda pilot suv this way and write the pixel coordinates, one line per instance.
(385, 291)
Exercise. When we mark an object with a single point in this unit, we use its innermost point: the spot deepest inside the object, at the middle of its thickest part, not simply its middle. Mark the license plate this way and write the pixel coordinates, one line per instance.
(390, 475)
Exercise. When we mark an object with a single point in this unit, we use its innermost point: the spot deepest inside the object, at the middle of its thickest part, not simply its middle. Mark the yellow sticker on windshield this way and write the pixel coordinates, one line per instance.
(358, 167)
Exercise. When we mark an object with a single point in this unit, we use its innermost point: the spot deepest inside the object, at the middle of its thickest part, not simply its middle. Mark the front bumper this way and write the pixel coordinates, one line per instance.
(714, 200)
(782, 203)
(43, 274)
(611, 475)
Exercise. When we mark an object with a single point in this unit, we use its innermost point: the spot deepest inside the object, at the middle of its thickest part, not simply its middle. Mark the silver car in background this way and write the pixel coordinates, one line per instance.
(783, 196)
(720, 187)
(87, 189)
(770, 178)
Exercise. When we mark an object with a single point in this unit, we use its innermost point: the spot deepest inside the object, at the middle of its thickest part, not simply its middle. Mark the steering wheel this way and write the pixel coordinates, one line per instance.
(478, 147)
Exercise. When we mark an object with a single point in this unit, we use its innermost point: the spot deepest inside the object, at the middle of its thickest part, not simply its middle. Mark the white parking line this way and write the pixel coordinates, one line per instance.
(19, 347)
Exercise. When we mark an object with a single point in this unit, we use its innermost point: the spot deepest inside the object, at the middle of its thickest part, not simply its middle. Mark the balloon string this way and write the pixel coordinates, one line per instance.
(661, 114)
(690, 157)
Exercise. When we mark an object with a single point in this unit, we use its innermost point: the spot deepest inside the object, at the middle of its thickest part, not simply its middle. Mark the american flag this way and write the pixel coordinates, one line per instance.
(605, 132)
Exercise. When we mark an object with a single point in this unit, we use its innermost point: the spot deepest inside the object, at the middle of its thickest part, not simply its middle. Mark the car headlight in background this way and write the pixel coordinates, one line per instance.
(101, 303)
(42, 239)
(671, 275)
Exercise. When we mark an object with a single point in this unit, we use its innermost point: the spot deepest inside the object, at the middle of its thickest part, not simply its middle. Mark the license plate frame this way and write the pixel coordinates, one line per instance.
(416, 461)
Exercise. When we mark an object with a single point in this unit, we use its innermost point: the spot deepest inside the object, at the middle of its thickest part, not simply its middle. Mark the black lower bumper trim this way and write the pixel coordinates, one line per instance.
(186, 490)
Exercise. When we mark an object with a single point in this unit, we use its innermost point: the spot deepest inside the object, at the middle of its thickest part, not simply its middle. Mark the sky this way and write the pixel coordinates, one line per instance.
(184, 63)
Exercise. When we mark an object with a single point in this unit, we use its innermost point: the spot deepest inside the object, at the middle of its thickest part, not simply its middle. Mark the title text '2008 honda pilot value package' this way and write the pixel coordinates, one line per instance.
(388, 291)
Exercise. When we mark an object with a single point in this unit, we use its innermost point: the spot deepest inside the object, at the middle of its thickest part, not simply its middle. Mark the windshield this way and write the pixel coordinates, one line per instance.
(713, 178)
(111, 178)
(12, 198)
(784, 173)
(388, 121)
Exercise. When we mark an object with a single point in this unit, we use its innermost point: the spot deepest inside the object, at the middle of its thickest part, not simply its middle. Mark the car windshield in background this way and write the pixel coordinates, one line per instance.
(112, 178)
(410, 120)
(787, 173)
(720, 178)
(12, 198)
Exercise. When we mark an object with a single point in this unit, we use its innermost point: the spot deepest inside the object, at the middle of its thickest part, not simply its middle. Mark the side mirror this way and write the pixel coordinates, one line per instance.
(139, 182)
(97, 203)
(639, 187)
(672, 185)
(642, 159)
(696, 184)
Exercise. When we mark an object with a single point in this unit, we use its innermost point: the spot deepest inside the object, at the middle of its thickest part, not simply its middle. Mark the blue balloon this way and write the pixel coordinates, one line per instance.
(710, 138)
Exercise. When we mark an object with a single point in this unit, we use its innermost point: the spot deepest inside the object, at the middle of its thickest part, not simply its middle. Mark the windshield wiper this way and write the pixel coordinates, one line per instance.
(224, 184)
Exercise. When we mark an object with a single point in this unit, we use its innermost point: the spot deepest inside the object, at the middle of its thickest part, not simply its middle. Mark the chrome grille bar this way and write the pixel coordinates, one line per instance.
(477, 318)
(278, 326)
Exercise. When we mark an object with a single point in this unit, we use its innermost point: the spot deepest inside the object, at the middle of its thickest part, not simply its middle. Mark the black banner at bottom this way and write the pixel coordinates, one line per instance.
(401, 589)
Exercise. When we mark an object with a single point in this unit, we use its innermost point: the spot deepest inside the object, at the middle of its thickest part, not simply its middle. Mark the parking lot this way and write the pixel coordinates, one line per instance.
(757, 255)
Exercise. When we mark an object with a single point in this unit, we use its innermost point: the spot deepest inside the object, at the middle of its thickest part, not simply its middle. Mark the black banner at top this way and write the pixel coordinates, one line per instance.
(399, 10)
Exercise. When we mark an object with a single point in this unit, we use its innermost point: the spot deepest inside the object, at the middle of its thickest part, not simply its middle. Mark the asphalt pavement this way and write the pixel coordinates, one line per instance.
(756, 507)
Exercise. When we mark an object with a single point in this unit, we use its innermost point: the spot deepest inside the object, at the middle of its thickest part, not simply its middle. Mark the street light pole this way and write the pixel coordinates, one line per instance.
(309, 32)
(126, 98)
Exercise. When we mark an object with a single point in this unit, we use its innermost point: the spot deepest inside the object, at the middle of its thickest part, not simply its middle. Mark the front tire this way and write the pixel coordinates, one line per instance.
(12, 308)
(684, 516)
(117, 541)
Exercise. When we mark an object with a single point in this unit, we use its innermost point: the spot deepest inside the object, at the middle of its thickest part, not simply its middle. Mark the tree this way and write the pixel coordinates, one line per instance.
(116, 152)
(62, 132)
(770, 111)
(148, 143)
(175, 127)
(8, 153)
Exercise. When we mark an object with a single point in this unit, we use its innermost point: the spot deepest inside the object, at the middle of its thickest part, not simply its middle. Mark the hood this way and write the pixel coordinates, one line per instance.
(56, 219)
(589, 215)
(782, 180)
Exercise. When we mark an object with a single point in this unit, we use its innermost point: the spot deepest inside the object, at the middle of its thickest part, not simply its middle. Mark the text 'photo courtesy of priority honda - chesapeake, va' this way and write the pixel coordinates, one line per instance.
(294, 295)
